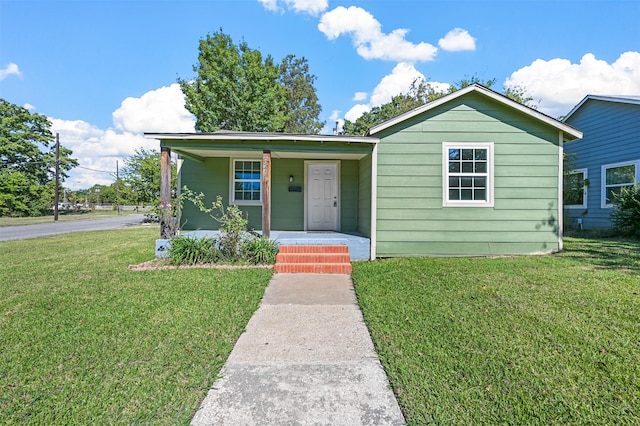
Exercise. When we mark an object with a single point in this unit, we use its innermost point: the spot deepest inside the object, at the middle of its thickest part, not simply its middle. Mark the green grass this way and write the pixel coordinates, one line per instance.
(85, 341)
(517, 340)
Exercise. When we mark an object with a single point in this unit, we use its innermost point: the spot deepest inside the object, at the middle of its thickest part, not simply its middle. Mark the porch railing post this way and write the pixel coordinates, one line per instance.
(266, 194)
(166, 217)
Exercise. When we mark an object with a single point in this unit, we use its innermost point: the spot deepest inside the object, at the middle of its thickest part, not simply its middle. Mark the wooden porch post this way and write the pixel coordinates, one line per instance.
(266, 194)
(166, 218)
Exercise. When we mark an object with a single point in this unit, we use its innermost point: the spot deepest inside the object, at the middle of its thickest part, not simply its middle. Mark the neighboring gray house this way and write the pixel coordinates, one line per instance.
(607, 157)
(472, 173)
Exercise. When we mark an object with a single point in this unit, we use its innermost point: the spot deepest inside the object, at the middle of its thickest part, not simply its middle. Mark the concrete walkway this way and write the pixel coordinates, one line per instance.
(306, 358)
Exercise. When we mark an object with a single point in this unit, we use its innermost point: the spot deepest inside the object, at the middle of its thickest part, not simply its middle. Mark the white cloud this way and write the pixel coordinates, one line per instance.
(456, 40)
(11, 69)
(29, 106)
(356, 111)
(271, 5)
(560, 84)
(399, 81)
(368, 38)
(360, 96)
(160, 110)
(97, 150)
(312, 7)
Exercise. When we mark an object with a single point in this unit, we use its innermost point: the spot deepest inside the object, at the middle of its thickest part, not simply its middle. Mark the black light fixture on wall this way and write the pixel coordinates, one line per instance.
(290, 178)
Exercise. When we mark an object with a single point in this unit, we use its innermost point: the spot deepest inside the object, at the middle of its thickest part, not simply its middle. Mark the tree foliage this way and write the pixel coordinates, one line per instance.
(141, 176)
(27, 154)
(420, 93)
(626, 216)
(237, 88)
(302, 105)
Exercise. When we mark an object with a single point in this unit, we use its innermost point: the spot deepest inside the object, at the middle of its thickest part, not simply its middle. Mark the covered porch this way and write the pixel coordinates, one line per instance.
(295, 189)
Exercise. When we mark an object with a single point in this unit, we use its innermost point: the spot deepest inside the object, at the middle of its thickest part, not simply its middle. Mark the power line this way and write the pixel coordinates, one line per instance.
(95, 170)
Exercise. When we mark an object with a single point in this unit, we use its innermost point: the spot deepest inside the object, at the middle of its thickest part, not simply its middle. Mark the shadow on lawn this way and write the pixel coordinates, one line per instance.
(615, 254)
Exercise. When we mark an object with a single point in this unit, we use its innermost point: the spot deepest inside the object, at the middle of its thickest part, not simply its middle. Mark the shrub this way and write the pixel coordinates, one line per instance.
(235, 243)
(259, 250)
(233, 227)
(191, 250)
(626, 216)
(233, 223)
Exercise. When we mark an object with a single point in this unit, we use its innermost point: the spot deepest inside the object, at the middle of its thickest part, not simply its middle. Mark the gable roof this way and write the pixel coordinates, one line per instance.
(624, 99)
(476, 88)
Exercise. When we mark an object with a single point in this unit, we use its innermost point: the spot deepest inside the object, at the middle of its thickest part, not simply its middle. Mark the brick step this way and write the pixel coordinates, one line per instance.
(313, 249)
(313, 258)
(313, 268)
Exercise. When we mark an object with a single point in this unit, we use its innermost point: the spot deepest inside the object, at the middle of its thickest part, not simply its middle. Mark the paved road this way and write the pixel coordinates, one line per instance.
(53, 228)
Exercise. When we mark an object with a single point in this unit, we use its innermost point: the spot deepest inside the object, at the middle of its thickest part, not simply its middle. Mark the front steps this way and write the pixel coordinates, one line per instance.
(313, 259)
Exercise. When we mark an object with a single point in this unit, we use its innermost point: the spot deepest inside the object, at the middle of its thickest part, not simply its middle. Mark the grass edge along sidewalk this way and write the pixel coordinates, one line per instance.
(514, 340)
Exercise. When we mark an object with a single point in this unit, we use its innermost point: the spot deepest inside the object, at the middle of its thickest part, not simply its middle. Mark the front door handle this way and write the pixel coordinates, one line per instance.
(335, 202)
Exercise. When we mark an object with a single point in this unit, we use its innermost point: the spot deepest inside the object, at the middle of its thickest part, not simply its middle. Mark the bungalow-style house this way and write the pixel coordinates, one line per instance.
(472, 173)
(606, 159)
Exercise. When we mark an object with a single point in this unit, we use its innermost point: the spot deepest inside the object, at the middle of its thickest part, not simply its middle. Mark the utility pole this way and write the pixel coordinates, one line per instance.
(57, 189)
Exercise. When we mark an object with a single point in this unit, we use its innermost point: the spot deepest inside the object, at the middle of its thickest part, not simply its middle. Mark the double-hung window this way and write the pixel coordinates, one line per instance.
(247, 181)
(575, 189)
(468, 174)
(615, 177)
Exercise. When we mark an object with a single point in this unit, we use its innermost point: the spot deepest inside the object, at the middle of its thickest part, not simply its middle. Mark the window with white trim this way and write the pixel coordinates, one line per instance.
(247, 181)
(615, 177)
(468, 174)
(575, 189)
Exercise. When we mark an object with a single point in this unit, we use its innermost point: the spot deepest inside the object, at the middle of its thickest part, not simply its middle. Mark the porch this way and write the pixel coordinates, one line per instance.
(359, 246)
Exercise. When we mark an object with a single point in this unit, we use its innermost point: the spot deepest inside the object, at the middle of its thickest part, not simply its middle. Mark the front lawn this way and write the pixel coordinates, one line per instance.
(516, 340)
(85, 341)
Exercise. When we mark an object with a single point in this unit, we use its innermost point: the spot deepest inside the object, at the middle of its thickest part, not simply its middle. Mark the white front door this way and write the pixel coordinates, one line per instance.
(322, 197)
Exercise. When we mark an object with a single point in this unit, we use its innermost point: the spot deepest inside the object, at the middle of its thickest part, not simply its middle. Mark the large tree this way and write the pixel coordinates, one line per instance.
(237, 88)
(27, 154)
(302, 107)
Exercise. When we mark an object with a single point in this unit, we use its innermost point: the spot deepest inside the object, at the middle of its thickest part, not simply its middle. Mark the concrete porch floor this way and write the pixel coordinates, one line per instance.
(359, 247)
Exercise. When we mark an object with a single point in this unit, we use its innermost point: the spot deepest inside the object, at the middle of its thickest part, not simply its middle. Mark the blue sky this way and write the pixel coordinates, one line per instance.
(105, 71)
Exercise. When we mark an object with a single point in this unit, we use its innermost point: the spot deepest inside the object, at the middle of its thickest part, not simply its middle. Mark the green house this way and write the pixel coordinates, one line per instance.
(472, 173)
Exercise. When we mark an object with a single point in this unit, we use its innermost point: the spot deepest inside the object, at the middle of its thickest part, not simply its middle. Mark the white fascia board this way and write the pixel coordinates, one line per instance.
(577, 134)
(419, 110)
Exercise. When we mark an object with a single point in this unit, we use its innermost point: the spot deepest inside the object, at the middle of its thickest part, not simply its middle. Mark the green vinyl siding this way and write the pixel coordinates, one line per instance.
(287, 207)
(211, 177)
(349, 195)
(364, 196)
(411, 219)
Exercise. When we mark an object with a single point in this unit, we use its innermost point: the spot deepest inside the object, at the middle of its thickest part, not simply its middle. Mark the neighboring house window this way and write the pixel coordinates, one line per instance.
(468, 174)
(575, 189)
(615, 177)
(247, 181)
